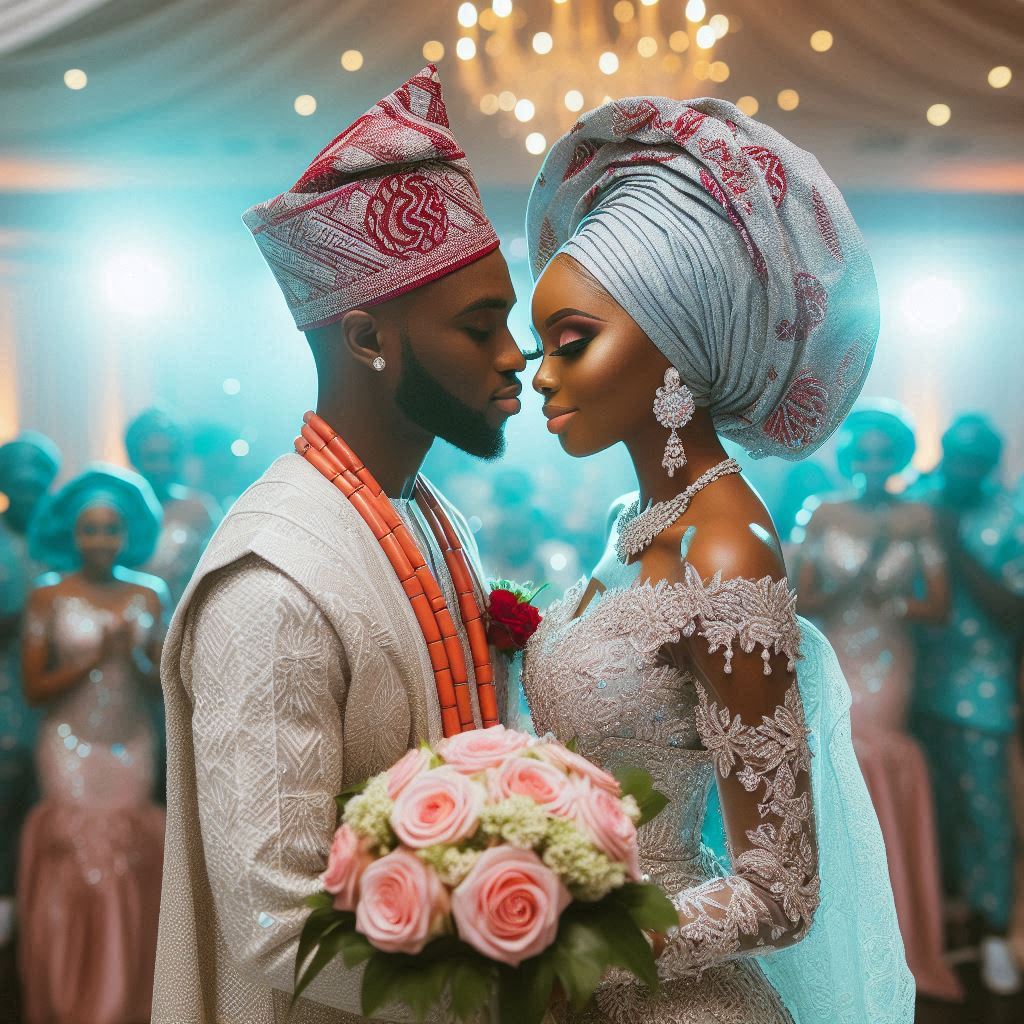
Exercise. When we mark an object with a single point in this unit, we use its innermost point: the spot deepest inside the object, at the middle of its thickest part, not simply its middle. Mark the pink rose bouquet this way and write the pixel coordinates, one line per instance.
(478, 872)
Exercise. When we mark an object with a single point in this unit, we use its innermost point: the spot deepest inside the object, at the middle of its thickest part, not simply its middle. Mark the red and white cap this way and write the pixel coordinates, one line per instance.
(388, 206)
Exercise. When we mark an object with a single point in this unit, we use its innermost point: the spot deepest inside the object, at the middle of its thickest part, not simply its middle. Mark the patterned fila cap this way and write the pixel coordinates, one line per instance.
(388, 206)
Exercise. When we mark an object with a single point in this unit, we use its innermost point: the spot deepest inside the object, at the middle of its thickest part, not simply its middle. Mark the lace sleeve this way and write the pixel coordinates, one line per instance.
(750, 718)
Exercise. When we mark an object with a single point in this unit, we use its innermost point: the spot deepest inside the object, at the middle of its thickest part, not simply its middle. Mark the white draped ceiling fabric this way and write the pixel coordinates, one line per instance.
(204, 91)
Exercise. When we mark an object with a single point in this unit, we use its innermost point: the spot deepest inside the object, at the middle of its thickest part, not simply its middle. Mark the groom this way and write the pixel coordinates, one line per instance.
(295, 665)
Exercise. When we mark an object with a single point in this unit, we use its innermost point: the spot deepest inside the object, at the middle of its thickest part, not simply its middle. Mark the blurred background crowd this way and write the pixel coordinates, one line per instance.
(146, 359)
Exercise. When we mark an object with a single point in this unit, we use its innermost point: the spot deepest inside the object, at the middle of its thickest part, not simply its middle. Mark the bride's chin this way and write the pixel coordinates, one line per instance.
(576, 450)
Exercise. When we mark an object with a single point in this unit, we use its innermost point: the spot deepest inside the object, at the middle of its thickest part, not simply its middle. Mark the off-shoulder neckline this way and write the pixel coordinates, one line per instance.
(692, 580)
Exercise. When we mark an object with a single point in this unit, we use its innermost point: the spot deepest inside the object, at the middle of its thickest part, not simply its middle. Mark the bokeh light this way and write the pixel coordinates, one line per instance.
(76, 78)
(1000, 77)
(433, 50)
(524, 110)
(623, 11)
(536, 143)
(938, 114)
(821, 41)
(351, 60)
(706, 37)
(135, 281)
(932, 304)
(305, 105)
(788, 99)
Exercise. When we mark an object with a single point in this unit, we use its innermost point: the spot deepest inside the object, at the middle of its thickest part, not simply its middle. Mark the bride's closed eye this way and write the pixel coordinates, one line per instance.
(572, 338)
(573, 346)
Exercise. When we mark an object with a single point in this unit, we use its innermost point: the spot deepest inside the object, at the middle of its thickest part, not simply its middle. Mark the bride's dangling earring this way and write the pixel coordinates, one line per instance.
(673, 408)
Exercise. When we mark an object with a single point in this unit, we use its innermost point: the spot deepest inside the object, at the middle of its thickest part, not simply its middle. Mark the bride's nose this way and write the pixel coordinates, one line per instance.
(545, 381)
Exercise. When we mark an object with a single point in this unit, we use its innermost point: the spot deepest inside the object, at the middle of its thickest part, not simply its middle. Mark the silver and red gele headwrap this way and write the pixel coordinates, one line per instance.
(388, 206)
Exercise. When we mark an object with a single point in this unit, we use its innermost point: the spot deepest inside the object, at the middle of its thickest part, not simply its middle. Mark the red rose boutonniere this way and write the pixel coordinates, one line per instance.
(512, 616)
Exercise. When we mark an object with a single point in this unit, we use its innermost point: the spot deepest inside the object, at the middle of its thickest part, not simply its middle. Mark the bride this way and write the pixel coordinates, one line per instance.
(700, 276)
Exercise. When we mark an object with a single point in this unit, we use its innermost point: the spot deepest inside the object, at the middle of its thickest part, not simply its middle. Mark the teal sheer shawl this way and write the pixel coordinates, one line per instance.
(850, 967)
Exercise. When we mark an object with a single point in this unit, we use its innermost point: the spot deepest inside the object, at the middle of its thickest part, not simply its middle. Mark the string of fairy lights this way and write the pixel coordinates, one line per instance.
(565, 55)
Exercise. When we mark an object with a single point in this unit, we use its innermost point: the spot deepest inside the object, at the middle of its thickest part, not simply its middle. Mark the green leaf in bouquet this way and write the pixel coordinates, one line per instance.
(472, 981)
(322, 920)
(647, 906)
(635, 782)
(348, 792)
(331, 942)
(319, 900)
(629, 949)
(524, 992)
(357, 949)
(416, 981)
(581, 952)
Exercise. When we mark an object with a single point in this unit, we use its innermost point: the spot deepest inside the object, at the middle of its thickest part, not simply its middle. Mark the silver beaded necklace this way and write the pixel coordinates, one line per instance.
(637, 529)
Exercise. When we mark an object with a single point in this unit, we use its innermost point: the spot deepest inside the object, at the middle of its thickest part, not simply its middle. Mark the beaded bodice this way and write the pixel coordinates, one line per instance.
(108, 704)
(841, 553)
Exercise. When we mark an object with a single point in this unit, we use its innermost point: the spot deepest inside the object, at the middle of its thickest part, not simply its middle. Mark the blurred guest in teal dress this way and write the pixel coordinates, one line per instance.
(966, 700)
(869, 569)
(28, 466)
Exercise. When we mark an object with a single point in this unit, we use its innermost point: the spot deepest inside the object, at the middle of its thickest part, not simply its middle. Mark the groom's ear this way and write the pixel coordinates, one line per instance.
(360, 335)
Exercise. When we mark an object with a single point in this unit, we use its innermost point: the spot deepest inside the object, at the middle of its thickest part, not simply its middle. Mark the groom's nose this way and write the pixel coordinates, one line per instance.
(509, 358)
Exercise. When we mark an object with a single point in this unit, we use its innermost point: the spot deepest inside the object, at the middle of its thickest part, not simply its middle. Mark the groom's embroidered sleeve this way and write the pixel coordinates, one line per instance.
(750, 718)
(269, 678)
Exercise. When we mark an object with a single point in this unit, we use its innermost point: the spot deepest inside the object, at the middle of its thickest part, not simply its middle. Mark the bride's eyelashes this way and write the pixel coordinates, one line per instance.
(572, 348)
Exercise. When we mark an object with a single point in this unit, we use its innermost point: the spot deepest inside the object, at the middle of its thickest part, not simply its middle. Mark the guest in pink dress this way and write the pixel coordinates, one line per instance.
(870, 567)
(92, 849)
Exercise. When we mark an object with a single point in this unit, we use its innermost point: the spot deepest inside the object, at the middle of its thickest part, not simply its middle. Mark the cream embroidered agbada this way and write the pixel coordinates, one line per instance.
(293, 667)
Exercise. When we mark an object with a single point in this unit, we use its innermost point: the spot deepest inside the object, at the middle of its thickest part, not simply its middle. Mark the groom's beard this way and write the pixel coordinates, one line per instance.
(429, 405)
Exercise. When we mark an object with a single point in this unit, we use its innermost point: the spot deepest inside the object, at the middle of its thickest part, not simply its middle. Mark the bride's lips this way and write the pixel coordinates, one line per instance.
(558, 417)
(507, 399)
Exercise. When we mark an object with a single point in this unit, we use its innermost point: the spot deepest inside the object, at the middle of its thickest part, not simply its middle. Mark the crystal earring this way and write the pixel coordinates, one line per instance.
(673, 408)
(379, 364)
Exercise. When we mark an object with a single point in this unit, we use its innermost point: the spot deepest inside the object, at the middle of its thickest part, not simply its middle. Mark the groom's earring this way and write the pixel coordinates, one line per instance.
(673, 408)
(379, 364)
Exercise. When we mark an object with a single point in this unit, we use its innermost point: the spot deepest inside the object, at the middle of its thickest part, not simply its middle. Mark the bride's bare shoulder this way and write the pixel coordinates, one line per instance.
(733, 535)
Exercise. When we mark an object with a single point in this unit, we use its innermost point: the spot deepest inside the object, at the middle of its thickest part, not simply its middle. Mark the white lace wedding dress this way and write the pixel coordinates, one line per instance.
(600, 679)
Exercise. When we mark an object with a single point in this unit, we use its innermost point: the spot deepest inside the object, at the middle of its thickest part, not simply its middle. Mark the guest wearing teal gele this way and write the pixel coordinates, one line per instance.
(28, 466)
(92, 848)
(966, 703)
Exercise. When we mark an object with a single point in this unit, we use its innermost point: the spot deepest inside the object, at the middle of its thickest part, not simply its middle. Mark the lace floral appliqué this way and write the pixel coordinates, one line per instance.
(740, 914)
